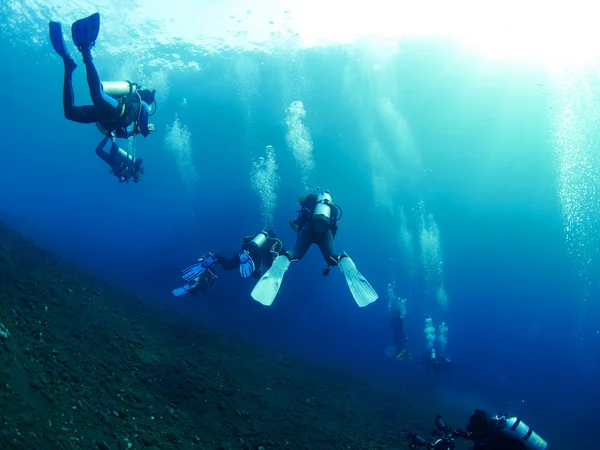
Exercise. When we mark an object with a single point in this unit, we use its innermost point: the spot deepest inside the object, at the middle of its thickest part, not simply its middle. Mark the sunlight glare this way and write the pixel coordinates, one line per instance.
(556, 34)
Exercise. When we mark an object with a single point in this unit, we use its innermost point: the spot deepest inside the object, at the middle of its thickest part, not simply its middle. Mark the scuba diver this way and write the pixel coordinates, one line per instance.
(436, 363)
(399, 336)
(316, 223)
(120, 109)
(200, 283)
(501, 432)
(443, 434)
(255, 257)
(122, 164)
(397, 310)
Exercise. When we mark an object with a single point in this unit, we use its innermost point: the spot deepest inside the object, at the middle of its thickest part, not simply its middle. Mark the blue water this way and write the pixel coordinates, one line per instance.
(518, 333)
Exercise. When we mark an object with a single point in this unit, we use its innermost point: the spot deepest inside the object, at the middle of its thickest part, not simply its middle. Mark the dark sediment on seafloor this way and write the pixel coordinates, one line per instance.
(85, 366)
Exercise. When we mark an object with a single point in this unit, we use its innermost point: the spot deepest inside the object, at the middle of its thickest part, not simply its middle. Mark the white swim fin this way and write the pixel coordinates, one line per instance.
(268, 286)
(362, 291)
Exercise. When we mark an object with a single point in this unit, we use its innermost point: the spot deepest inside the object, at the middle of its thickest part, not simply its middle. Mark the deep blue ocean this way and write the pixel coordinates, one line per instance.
(451, 169)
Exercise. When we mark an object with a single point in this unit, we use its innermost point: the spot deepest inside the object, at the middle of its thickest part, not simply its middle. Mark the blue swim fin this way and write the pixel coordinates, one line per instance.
(197, 269)
(57, 39)
(85, 31)
(184, 289)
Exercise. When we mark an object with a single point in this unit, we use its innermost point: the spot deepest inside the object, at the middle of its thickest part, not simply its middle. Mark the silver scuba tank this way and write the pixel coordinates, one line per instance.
(260, 239)
(321, 218)
(517, 429)
(119, 88)
(123, 156)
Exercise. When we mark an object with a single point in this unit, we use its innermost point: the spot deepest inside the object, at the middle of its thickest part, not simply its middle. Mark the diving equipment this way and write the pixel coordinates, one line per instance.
(119, 88)
(247, 266)
(360, 288)
(321, 217)
(148, 96)
(85, 31)
(123, 157)
(185, 289)
(125, 166)
(57, 39)
(195, 270)
(260, 239)
(268, 286)
(138, 170)
(517, 429)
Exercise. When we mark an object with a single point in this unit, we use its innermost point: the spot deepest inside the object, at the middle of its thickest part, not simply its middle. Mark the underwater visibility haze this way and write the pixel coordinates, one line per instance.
(460, 141)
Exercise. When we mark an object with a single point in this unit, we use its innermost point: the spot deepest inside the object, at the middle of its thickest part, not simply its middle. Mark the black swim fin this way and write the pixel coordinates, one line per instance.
(57, 39)
(85, 31)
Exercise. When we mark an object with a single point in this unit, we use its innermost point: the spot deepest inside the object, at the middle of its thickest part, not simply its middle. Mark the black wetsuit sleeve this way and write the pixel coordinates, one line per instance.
(106, 157)
(231, 263)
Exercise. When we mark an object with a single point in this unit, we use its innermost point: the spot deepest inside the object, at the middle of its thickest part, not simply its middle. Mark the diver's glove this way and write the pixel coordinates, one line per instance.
(247, 266)
(195, 270)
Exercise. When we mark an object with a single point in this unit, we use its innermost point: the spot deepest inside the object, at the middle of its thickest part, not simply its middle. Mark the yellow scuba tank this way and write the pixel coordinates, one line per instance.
(321, 217)
(118, 89)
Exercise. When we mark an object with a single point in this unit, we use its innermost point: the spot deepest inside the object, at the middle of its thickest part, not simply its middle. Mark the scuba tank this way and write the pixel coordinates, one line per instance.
(122, 89)
(260, 239)
(321, 218)
(124, 157)
(515, 428)
(118, 89)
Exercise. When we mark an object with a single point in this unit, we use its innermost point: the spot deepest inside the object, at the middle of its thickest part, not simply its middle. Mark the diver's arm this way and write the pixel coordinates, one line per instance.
(100, 147)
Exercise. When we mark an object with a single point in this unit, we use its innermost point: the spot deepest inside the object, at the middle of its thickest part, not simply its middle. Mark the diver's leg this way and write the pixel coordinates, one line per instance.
(99, 98)
(79, 114)
(327, 247)
(304, 239)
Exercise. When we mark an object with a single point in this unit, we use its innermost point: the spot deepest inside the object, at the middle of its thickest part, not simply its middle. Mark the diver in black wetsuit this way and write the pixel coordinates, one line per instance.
(500, 432)
(122, 164)
(314, 227)
(256, 255)
(432, 361)
(398, 335)
(316, 223)
(203, 283)
(122, 108)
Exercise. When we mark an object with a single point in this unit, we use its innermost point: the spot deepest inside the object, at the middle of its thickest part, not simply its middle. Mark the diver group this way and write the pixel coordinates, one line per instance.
(122, 109)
